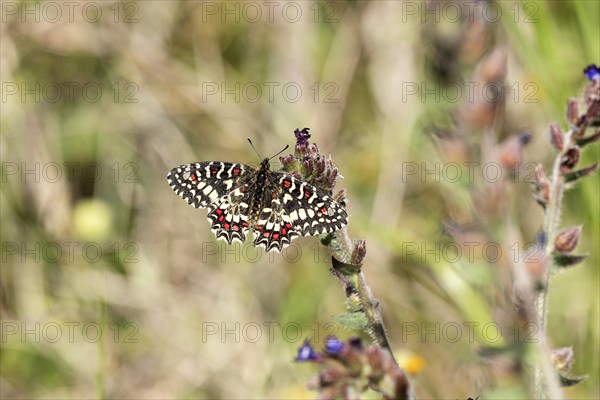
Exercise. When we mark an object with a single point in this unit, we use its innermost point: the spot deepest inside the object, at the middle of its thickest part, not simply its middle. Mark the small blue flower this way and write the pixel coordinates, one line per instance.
(333, 345)
(592, 72)
(302, 136)
(306, 352)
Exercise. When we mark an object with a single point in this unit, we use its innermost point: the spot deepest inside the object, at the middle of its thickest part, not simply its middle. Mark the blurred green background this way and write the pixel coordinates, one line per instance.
(113, 287)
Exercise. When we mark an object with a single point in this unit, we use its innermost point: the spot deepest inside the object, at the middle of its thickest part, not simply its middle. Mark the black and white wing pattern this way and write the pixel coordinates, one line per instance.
(275, 206)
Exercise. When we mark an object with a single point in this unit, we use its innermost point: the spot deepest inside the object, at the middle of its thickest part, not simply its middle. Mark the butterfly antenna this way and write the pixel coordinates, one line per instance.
(257, 153)
(282, 150)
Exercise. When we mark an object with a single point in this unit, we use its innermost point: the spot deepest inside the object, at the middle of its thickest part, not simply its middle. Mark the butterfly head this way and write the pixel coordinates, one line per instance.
(265, 165)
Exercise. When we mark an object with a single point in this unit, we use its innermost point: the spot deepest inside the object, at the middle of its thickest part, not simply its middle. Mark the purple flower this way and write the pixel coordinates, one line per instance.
(306, 352)
(333, 345)
(302, 136)
(592, 72)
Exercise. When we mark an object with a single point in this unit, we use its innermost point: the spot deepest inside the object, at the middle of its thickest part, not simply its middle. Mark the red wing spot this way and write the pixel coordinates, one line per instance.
(276, 236)
(236, 171)
(221, 218)
(324, 209)
(288, 225)
(236, 227)
(219, 211)
(273, 196)
(244, 189)
(287, 184)
(258, 228)
(193, 177)
(226, 225)
(283, 231)
(244, 223)
(307, 194)
(267, 234)
(214, 170)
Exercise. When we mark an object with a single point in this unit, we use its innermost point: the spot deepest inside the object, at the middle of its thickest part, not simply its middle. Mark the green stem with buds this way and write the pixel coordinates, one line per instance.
(359, 286)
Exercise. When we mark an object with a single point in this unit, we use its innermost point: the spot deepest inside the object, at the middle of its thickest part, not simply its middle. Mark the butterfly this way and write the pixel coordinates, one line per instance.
(273, 205)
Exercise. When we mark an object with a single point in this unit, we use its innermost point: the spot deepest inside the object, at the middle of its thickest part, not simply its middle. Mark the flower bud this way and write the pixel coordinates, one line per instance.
(288, 162)
(332, 178)
(312, 148)
(308, 164)
(569, 159)
(493, 68)
(536, 262)
(402, 386)
(510, 153)
(332, 375)
(319, 166)
(557, 137)
(359, 252)
(376, 363)
(301, 150)
(573, 111)
(592, 93)
(562, 359)
(566, 240)
(541, 185)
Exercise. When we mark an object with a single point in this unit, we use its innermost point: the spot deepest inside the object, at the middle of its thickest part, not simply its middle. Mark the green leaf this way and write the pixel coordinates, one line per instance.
(568, 260)
(566, 381)
(575, 175)
(327, 239)
(353, 320)
(344, 268)
(588, 139)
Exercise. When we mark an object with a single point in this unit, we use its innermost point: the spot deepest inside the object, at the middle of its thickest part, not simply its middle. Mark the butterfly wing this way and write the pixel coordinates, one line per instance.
(221, 188)
(296, 208)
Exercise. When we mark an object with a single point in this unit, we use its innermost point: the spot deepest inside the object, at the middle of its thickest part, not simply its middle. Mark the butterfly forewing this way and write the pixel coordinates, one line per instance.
(204, 183)
(274, 205)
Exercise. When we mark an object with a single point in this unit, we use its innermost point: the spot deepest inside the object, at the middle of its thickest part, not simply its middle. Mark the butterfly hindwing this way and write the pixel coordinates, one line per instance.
(273, 229)
(309, 209)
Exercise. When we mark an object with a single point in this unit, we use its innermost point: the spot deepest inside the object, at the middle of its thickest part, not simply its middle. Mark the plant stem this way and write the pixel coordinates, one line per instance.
(368, 303)
(544, 373)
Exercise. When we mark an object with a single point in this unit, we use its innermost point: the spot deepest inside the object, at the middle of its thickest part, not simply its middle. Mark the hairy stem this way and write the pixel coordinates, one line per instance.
(545, 378)
(368, 303)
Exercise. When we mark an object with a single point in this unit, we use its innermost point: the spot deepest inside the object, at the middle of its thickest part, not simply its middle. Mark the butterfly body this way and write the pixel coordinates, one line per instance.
(273, 205)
